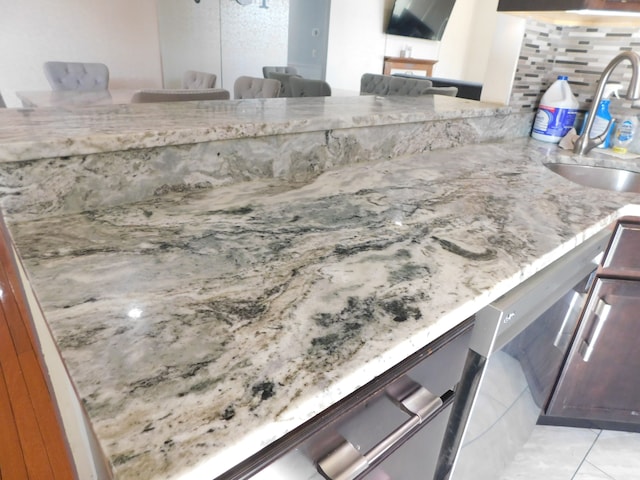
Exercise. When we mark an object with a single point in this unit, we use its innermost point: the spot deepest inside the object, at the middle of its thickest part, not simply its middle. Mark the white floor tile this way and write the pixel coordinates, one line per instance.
(589, 472)
(617, 454)
(552, 453)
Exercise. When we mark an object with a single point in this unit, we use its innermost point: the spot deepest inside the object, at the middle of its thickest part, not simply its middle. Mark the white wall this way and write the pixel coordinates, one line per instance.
(357, 42)
(483, 21)
(464, 50)
(503, 58)
(123, 34)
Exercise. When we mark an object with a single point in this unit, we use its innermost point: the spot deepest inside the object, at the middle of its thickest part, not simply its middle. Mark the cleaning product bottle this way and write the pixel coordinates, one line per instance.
(556, 112)
(624, 132)
(603, 116)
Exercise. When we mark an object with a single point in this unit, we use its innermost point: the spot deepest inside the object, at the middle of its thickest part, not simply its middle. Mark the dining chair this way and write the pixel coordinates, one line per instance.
(285, 85)
(2, 104)
(287, 69)
(390, 85)
(306, 87)
(77, 75)
(254, 87)
(179, 95)
(193, 79)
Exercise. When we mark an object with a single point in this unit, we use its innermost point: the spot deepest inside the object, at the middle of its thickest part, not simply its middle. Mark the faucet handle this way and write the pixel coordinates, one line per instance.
(585, 143)
(603, 136)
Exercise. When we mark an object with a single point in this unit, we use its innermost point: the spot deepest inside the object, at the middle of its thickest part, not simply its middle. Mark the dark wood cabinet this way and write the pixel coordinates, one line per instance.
(601, 378)
(600, 382)
(622, 257)
(556, 5)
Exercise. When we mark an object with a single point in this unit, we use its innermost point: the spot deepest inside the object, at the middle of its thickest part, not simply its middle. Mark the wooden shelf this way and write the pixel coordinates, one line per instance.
(34, 445)
(412, 66)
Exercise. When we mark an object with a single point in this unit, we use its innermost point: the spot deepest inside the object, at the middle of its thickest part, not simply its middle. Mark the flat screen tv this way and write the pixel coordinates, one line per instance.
(420, 18)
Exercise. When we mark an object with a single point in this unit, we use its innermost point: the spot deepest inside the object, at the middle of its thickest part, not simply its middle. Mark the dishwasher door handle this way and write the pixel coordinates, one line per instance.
(346, 462)
(588, 345)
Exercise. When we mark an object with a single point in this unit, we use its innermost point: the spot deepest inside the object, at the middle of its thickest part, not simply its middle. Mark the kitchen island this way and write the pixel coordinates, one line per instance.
(200, 324)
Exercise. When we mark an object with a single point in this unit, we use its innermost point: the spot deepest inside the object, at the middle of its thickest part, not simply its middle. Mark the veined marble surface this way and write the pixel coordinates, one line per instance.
(200, 326)
(63, 132)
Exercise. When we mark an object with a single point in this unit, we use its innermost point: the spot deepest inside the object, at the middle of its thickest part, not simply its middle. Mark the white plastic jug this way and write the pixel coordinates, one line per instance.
(556, 113)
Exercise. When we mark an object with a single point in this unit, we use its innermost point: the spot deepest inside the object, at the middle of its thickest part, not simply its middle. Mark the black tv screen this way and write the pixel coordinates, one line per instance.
(420, 18)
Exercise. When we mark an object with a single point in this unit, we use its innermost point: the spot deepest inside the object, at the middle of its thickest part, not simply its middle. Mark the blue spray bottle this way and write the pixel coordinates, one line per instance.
(603, 120)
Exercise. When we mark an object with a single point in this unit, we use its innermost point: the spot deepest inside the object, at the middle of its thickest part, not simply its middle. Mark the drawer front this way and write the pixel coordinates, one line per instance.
(393, 433)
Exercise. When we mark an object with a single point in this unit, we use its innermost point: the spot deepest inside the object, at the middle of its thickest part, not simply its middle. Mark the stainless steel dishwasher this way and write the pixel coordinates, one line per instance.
(515, 354)
(391, 428)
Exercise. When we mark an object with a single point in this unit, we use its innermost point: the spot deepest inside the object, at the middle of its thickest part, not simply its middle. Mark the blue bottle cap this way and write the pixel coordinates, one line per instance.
(563, 77)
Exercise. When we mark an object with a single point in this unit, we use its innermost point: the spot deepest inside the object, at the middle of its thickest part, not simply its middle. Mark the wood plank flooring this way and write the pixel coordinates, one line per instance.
(32, 440)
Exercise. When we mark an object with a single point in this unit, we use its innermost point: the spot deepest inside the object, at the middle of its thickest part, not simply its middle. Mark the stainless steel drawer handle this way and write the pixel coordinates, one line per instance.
(347, 462)
(588, 345)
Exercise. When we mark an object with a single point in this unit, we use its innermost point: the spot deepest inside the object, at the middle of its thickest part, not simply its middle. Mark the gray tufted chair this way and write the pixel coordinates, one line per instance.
(77, 75)
(448, 91)
(179, 94)
(285, 85)
(254, 87)
(305, 87)
(287, 69)
(198, 80)
(375, 84)
(385, 85)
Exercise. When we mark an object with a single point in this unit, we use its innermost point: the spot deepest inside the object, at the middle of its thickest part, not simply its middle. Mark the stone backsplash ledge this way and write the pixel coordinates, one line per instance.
(60, 185)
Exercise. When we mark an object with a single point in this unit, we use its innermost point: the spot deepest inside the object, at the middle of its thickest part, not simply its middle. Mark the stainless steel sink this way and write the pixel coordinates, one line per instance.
(616, 179)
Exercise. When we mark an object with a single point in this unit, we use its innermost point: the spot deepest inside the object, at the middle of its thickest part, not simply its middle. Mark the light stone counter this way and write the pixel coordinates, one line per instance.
(57, 161)
(63, 132)
(200, 325)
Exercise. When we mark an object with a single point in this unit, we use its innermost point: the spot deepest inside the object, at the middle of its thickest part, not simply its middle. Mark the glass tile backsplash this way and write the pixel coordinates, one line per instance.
(580, 52)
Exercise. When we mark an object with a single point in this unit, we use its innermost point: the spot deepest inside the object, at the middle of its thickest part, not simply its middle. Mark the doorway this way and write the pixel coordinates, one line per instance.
(309, 37)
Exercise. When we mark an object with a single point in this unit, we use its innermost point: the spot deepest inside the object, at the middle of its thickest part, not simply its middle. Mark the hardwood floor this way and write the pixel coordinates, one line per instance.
(32, 441)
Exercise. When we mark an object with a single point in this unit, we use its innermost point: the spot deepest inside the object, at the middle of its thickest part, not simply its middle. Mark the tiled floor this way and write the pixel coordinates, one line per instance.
(561, 453)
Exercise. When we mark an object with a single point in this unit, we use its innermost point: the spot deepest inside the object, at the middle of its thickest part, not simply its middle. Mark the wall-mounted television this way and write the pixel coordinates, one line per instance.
(420, 18)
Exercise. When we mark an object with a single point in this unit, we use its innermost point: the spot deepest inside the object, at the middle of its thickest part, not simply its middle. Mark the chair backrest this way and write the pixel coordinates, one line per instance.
(448, 91)
(254, 87)
(77, 75)
(2, 104)
(306, 87)
(375, 84)
(198, 80)
(285, 85)
(179, 95)
(286, 69)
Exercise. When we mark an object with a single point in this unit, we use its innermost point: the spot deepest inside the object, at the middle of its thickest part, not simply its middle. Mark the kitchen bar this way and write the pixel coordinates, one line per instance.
(207, 318)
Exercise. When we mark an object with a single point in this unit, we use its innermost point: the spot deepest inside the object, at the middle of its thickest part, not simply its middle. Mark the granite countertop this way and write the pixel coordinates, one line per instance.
(200, 326)
(65, 131)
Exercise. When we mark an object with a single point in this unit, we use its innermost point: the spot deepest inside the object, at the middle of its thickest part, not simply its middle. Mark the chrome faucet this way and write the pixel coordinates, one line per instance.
(584, 144)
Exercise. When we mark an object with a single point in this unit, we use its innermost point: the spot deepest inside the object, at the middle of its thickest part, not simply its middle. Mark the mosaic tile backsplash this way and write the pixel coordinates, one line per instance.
(580, 52)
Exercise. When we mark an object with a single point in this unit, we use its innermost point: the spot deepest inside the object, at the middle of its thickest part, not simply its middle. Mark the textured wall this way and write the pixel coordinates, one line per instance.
(251, 37)
(123, 34)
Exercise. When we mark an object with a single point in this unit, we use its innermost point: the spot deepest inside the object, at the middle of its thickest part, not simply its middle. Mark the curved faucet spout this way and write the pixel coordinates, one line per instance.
(585, 143)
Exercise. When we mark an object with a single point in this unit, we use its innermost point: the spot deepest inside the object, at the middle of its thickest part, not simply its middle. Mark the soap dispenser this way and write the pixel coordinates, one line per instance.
(603, 120)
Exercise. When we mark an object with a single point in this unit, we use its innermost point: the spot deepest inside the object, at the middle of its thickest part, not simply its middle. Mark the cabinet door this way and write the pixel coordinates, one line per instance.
(623, 254)
(600, 381)
(628, 5)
